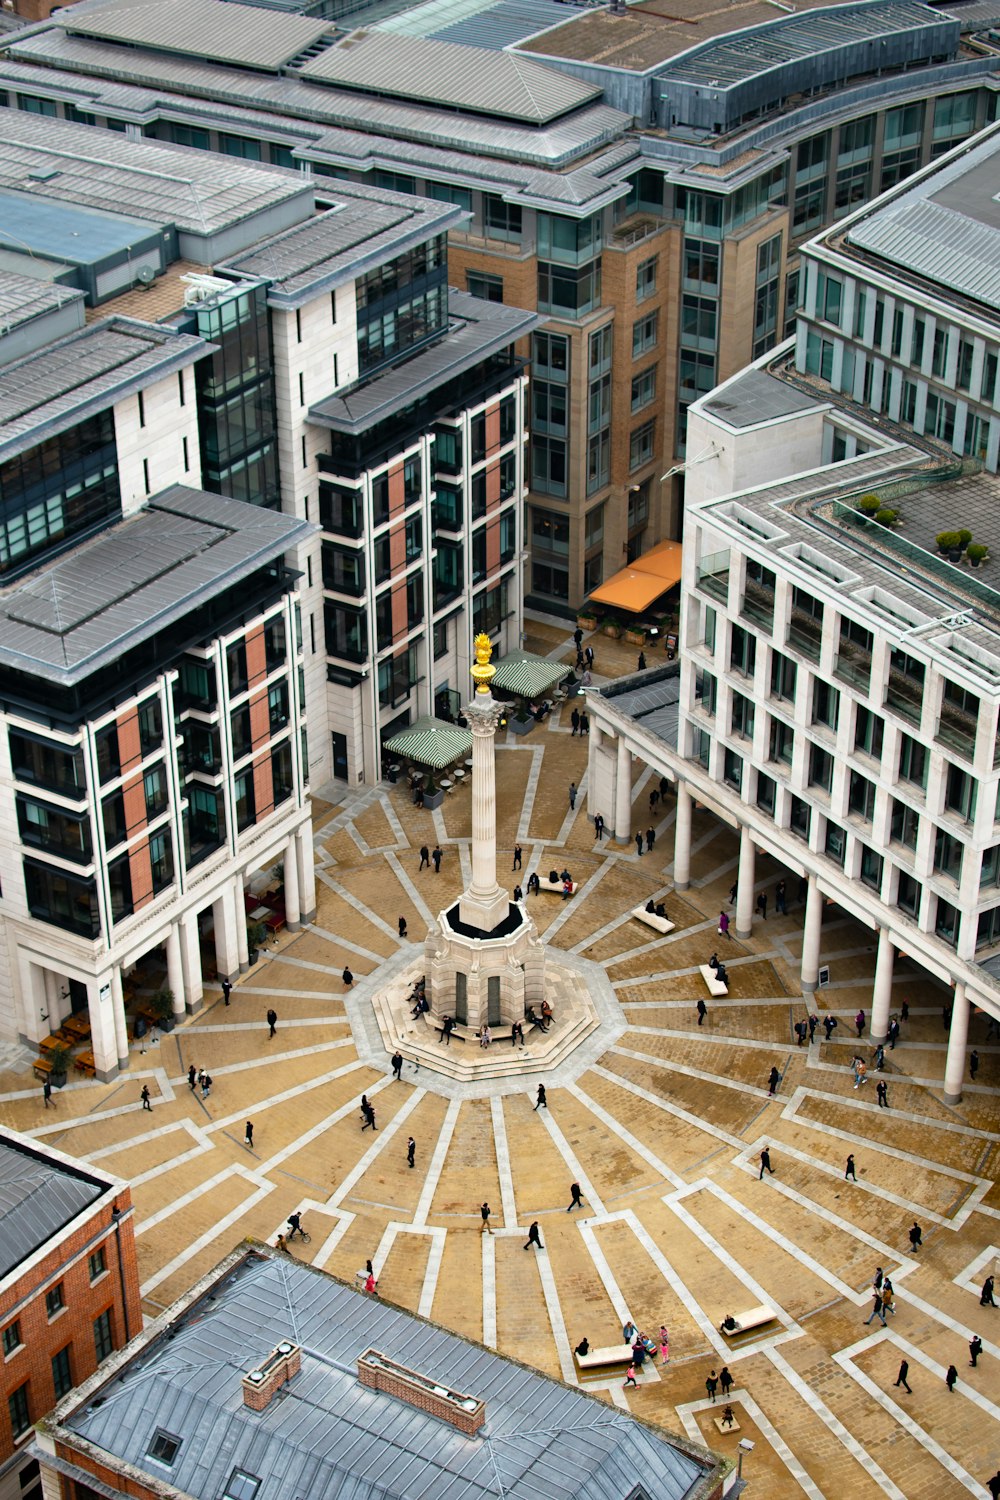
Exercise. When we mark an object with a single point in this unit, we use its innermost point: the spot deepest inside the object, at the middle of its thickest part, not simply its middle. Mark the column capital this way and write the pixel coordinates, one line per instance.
(484, 716)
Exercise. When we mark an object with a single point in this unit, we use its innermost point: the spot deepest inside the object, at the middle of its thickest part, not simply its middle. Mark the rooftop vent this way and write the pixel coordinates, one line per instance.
(379, 1373)
(261, 1385)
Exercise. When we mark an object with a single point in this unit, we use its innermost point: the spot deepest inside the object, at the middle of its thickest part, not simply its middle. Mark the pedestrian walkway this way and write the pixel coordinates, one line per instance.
(663, 1132)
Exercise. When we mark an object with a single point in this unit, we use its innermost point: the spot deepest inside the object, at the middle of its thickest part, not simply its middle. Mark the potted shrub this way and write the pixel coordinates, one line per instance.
(635, 635)
(163, 1004)
(59, 1058)
(949, 543)
(522, 720)
(586, 620)
(869, 505)
(612, 628)
(433, 795)
(886, 517)
(256, 938)
(964, 538)
(977, 552)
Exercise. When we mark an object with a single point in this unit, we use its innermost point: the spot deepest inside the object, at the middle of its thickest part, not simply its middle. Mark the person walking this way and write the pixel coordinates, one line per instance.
(572, 796)
(993, 1485)
(849, 1175)
(574, 719)
(347, 977)
(877, 1310)
(425, 857)
(762, 906)
(192, 1077)
(534, 1238)
(765, 1164)
(517, 857)
(589, 657)
(485, 1212)
(878, 1278)
(411, 1151)
(779, 899)
(973, 1064)
(916, 1237)
(47, 1093)
(882, 1094)
(726, 1382)
(541, 1102)
(641, 664)
(206, 1085)
(893, 1033)
(888, 1297)
(654, 800)
(368, 1110)
(227, 990)
(904, 1370)
(248, 1137)
(975, 1350)
(629, 1377)
(664, 1345)
(711, 1386)
(801, 1031)
(397, 1066)
(272, 1021)
(144, 1096)
(437, 857)
(859, 1021)
(951, 1378)
(986, 1296)
(650, 839)
(638, 844)
(401, 923)
(773, 1079)
(598, 827)
(732, 892)
(829, 1025)
(576, 1197)
(702, 1011)
(724, 925)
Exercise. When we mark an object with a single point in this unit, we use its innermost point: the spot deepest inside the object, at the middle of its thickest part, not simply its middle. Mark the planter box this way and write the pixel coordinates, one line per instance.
(612, 632)
(521, 726)
(57, 1080)
(587, 622)
(166, 1023)
(433, 800)
(635, 637)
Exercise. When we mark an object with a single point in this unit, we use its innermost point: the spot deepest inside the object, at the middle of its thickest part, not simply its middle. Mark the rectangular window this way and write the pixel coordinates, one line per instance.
(800, 816)
(644, 389)
(989, 875)
(164, 1448)
(820, 768)
(908, 894)
(905, 825)
(765, 792)
(741, 722)
(97, 1264)
(103, 1340)
(62, 1376)
(871, 868)
(854, 654)
(861, 797)
(805, 630)
(743, 651)
(782, 742)
(913, 760)
(946, 922)
(645, 278)
(948, 855)
(641, 446)
(644, 334)
(241, 1486)
(54, 1300)
(869, 730)
(12, 1337)
(20, 1414)
(783, 674)
(905, 691)
(826, 704)
(960, 793)
(482, 284)
(835, 844)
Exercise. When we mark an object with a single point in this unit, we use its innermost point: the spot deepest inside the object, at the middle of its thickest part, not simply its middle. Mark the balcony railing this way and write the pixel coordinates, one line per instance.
(758, 605)
(854, 667)
(957, 731)
(805, 633)
(905, 697)
(716, 585)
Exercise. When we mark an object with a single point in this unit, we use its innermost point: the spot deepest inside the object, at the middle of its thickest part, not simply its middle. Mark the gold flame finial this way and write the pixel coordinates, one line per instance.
(482, 672)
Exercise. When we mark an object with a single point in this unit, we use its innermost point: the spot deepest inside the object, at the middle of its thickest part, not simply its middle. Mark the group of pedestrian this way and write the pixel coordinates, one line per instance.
(427, 858)
(650, 841)
(579, 722)
(367, 1114)
(713, 1382)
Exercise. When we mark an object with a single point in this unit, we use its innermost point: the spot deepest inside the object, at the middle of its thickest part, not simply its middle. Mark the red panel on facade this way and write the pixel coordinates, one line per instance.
(397, 490)
(129, 749)
(263, 787)
(141, 870)
(493, 429)
(397, 550)
(399, 620)
(256, 656)
(134, 802)
(493, 485)
(260, 720)
(492, 546)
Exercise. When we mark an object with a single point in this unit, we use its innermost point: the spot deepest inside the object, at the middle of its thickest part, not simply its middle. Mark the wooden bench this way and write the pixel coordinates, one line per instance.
(659, 924)
(754, 1317)
(715, 986)
(42, 1066)
(85, 1064)
(555, 886)
(603, 1359)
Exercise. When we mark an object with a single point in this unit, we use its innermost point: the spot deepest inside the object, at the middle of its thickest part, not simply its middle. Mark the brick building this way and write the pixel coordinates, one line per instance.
(69, 1289)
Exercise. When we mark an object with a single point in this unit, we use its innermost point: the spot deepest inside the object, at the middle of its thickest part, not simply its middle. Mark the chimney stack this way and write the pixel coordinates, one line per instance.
(261, 1385)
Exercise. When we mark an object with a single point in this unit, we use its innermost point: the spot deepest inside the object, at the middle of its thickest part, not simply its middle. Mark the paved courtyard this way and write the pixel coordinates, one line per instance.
(663, 1131)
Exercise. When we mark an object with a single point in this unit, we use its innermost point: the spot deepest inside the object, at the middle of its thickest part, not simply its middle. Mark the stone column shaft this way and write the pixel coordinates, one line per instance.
(682, 839)
(811, 930)
(882, 991)
(958, 1036)
(745, 884)
(623, 793)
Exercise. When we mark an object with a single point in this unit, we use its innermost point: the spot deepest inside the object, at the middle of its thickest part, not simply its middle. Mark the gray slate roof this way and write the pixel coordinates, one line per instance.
(23, 298)
(38, 1198)
(755, 396)
(109, 594)
(84, 373)
(477, 23)
(505, 84)
(650, 699)
(196, 190)
(244, 35)
(364, 228)
(326, 1437)
(945, 228)
(476, 330)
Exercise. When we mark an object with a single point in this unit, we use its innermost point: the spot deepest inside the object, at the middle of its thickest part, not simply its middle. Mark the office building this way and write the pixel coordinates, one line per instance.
(69, 1290)
(644, 182)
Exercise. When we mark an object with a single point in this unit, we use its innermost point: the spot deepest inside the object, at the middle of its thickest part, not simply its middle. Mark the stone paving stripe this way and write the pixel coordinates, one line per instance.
(507, 1201)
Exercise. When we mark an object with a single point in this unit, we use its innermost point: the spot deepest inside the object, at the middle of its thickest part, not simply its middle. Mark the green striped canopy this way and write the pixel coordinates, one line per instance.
(430, 742)
(528, 676)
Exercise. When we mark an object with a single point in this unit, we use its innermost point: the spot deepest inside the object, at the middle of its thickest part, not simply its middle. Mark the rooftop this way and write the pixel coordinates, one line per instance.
(477, 23)
(23, 298)
(501, 84)
(363, 228)
(64, 232)
(197, 191)
(245, 35)
(41, 1192)
(120, 588)
(755, 396)
(943, 228)
(326, 1434)
(86, 372)
(651, 699)
(476, 330)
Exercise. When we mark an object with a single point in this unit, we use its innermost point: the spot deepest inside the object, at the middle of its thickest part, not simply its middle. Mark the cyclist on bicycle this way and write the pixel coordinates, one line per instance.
(294, 1225)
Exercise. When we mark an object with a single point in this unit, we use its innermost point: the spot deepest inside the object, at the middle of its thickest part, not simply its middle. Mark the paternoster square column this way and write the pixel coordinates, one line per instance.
(484, 905)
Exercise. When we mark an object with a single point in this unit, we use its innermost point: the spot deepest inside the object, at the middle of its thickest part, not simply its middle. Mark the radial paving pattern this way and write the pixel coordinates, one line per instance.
(663, 1132)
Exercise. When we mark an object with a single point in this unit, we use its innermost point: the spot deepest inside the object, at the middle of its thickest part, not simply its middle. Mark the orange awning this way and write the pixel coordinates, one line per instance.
(639, 585)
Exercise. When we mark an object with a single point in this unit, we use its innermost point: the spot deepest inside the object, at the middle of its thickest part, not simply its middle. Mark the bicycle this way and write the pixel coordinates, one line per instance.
(298, 1230)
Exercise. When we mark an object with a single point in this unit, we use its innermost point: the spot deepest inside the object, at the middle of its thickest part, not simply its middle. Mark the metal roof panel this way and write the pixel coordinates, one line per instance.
(243, 35)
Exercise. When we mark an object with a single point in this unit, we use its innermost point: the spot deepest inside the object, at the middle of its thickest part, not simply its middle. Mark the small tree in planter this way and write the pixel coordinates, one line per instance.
(869, 505)
(949, 544)
(163, 1004)
(256, 937)
(587, 621)
(635, 635)
(964, 538)
(612, 628)
(977, 552)
(887, 517)
(59, 1058)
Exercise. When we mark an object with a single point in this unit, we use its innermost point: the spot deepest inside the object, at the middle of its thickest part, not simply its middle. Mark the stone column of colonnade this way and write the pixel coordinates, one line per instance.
(745, 878)
(812, 928)
(623, 793)
(682, 839)
(882, 990)
(307, 873)
(293, 909)
(958, 1036)
(194, 985)
(175, 969)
